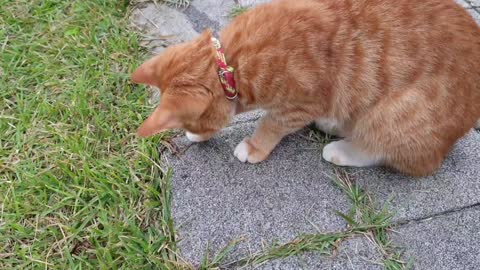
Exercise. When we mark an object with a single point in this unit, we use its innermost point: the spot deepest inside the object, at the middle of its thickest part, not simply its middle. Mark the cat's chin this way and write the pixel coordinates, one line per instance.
(195, 137)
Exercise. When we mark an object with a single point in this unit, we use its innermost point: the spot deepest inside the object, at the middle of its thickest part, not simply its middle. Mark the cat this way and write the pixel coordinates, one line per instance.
(398, 80)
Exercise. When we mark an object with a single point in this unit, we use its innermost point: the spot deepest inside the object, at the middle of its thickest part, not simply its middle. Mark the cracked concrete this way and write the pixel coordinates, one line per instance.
(455, 185)
(217, 199)
(448, 241)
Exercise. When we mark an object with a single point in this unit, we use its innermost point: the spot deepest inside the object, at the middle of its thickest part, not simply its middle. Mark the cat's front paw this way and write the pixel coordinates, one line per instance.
(344, 153)
(245, 151)
(334, 153)
(198, 137)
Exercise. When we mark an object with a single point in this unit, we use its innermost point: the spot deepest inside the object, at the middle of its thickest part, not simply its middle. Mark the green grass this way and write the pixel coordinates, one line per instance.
(237, 10)
(78, 189)
(319, 137)
(319, 243)
(366, 218)
(220, 257)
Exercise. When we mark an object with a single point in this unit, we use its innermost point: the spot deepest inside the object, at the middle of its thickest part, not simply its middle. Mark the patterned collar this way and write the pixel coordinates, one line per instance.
(225, 72)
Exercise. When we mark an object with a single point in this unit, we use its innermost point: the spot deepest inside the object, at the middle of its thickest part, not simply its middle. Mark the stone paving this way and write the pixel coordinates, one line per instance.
(217, 199)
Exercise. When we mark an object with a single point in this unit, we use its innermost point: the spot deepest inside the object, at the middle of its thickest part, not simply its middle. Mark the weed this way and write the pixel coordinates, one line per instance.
(365, 218)
(237, 10)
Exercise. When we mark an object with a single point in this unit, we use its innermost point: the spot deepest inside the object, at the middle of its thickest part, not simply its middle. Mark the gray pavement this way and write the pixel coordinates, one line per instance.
(447, 241)
(217, 199)
(455, 186)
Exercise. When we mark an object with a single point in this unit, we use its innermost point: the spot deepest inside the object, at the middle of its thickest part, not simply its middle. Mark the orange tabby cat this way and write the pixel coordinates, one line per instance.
(399, 80)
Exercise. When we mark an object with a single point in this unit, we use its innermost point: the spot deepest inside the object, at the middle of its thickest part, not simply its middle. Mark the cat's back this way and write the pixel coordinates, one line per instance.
(382, 44)
(300, 22)
(442, 22)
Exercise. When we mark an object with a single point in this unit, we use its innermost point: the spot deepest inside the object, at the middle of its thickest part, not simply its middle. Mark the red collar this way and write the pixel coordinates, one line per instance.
(225, 72)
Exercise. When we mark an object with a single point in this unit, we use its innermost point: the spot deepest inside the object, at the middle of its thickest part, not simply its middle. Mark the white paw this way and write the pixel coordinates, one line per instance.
(194, 137)
(241, 151)
(344, 153)
(334, 153)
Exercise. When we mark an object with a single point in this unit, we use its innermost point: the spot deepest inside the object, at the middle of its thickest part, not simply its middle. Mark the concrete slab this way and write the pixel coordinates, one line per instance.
(455, 185)
(473, 3)
(216, 10)
(161, 26)
(463, 3)
(215, 14)
(246, 3)
(216, 198)
(247, 117)
(355, 253)
(446, 242)
(475, 13)
(201, 20)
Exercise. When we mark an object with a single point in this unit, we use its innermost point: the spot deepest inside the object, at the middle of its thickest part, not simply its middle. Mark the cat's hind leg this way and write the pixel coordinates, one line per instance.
(345, 153)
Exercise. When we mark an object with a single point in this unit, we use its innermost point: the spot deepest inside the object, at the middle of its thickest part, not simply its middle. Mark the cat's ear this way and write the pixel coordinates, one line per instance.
(145, 73)
(161, 119)
(170, 114)
(206, 36)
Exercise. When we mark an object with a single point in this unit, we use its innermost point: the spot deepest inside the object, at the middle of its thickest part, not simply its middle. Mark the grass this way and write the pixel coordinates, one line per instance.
(221, 256)
(366, 218)
(319, 137)
(319, 243)
(237, 10)
(77, 188)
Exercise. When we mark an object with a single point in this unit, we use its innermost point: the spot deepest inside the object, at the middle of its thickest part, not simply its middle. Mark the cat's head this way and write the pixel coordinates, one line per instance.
(192, 97)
